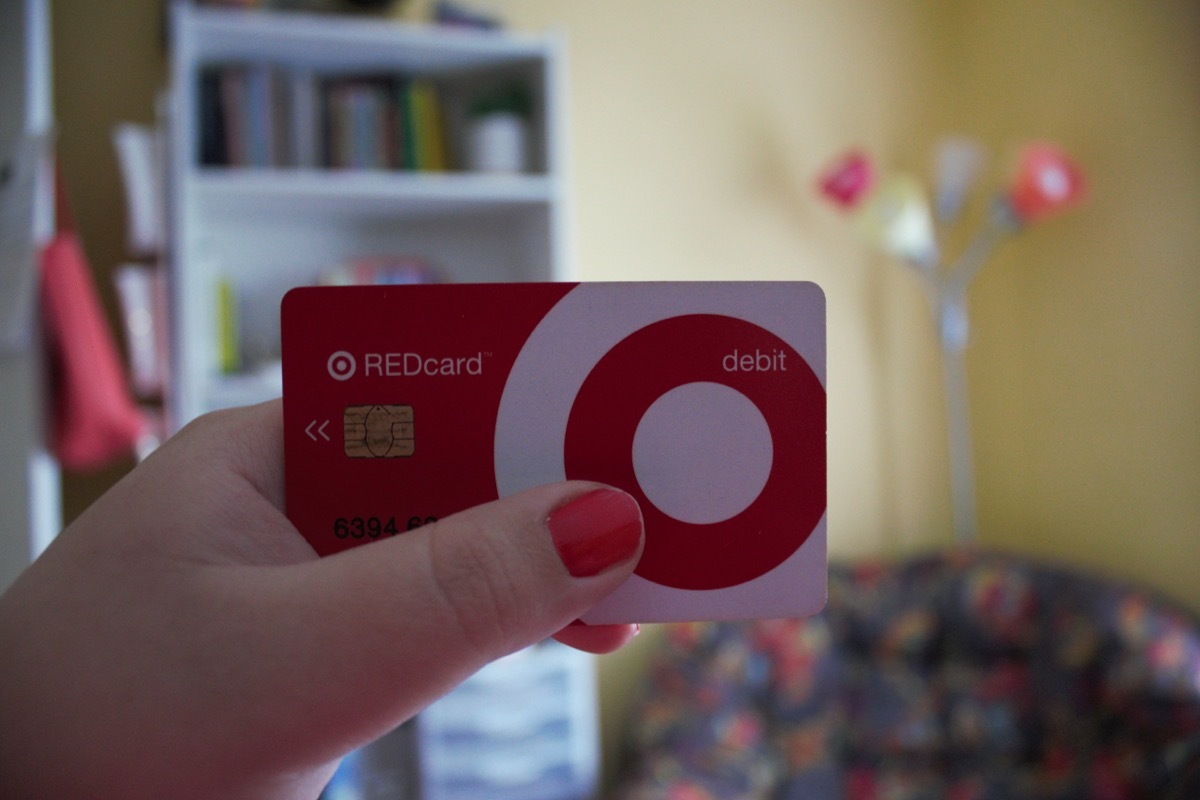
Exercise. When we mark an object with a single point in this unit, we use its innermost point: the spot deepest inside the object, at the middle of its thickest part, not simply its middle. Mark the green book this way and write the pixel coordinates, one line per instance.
(229, 359)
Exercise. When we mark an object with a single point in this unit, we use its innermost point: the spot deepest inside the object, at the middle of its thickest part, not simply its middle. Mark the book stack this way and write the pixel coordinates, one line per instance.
(263, 115)
(383, 123)
(381, 271)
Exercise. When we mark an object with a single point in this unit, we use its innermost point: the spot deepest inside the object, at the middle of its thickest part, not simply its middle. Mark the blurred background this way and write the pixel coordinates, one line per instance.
(696, 131)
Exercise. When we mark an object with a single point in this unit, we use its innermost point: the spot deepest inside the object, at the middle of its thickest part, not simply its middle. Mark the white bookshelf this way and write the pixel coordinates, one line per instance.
(265, 230)
(30, 481)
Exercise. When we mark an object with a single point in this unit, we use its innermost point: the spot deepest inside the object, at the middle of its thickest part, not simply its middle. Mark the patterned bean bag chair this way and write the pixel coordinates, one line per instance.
(959, 676)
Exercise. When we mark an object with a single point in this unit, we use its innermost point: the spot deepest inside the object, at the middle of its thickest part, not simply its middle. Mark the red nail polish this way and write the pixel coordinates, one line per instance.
(596, 531)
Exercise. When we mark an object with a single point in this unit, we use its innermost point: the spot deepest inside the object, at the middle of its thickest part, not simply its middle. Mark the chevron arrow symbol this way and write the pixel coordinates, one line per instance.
(320, 430)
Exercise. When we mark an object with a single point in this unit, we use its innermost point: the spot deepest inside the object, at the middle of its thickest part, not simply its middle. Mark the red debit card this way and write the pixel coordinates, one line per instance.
(705, 401)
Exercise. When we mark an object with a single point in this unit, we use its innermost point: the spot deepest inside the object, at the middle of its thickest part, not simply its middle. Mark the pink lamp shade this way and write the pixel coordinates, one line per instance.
(1046, 182)
(847, 180)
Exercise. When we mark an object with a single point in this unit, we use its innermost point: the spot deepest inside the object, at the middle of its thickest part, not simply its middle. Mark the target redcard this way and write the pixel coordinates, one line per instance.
(705, 401)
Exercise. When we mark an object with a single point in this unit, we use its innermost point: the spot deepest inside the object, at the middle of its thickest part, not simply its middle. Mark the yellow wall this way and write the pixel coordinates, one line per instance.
(696, 128)
(1086, 362)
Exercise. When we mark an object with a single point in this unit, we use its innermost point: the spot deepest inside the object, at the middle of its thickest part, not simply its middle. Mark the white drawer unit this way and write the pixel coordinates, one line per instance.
(522, 728)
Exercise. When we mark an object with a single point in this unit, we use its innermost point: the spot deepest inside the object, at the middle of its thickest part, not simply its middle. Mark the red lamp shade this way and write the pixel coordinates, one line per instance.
(1047, 182)
(847, 180)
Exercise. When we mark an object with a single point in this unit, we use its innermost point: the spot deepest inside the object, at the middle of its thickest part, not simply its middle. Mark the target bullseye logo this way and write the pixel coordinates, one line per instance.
(341, 365)
(708, 406)
(660, 417)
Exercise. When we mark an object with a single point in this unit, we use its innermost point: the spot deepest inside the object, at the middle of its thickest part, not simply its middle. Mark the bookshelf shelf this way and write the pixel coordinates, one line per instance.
(238, 190)
(347, 44)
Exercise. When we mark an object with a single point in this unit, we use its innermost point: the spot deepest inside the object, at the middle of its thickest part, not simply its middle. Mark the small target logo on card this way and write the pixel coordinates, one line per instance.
(342, 365)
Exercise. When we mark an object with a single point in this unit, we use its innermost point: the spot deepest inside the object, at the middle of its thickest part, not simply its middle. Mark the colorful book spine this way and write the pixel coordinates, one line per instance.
(229, 359)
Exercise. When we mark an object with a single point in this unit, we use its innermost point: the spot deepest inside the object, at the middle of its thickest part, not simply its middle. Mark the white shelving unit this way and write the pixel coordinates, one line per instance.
(30, 483)
(522, 728)
(265, 230)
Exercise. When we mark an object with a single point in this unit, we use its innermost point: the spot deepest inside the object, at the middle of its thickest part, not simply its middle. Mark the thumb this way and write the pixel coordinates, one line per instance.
(394, 625)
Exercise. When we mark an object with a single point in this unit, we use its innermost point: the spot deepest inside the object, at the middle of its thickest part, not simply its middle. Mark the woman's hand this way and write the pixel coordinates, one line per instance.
(181, 639)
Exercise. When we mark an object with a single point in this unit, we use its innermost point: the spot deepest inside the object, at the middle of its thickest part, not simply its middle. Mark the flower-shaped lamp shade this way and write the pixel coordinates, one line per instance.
(957, 163)
(1046, 182)
(848, 180)
(896, 220)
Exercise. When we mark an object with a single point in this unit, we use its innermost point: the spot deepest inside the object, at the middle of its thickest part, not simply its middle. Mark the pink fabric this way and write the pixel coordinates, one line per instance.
(95, 420)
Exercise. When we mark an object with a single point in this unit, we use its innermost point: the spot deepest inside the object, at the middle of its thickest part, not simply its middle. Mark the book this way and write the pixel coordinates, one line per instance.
(229, 358)
(258, 113)
(427, 123)
(233, 109)
(300, 100)
(213, 140)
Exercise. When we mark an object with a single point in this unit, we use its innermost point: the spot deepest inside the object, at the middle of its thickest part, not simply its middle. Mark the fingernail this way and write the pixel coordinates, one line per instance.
(596, 531)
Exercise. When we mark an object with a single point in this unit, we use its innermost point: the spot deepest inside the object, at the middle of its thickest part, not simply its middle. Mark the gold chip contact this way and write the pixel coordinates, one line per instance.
(378, 431)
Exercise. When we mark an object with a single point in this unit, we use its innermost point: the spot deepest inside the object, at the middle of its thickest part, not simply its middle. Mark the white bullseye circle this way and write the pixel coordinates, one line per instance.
(702, 452)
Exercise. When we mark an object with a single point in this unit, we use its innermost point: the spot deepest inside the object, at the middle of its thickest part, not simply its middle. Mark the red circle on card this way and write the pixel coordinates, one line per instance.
(770, 373)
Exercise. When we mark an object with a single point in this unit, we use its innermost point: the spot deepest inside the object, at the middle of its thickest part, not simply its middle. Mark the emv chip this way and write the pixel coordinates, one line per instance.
(378, 431)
